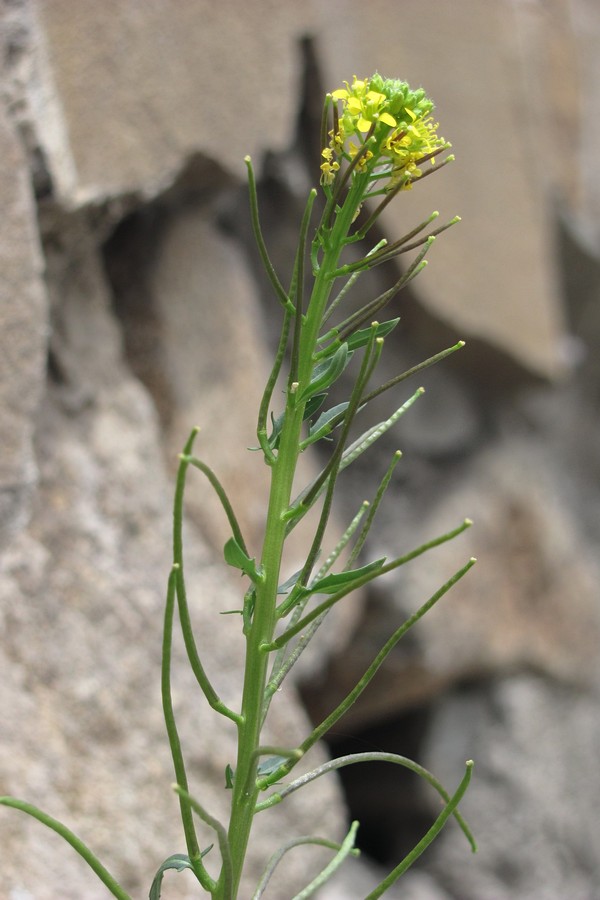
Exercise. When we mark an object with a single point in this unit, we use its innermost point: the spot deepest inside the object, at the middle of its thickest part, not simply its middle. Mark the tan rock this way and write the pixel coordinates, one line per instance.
(493, 276)
(144, 85)
(82, 594)
(215, 366)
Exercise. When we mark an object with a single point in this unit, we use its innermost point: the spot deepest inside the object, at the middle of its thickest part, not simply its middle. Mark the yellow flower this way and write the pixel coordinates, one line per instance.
(407, 147)
(329, 166)
(353, 150)
(362, 107)
(396, 121)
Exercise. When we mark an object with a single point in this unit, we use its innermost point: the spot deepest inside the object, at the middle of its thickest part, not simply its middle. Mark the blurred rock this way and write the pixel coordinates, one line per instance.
(140, 88)
(88, 657)
(23, 332)
(534, 796)
(82, 583)
(493, 276)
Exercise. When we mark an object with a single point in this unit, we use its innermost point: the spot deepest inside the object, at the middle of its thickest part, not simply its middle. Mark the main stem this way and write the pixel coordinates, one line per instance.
(245, 792)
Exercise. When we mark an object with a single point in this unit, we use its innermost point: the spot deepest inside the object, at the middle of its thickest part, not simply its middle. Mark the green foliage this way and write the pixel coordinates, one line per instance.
(381, 137)
(179, 862)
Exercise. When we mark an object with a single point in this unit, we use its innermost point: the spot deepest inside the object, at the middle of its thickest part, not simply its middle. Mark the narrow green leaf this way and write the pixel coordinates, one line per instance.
(229, 776)
(331, 584)
(235, 557)
(315, 403)
(327, 372)
(361, 338)
(323, 426)
(286, 587)
(260, 242)
(271, 764)
(248, 610)
(178, 861)
(277, 423)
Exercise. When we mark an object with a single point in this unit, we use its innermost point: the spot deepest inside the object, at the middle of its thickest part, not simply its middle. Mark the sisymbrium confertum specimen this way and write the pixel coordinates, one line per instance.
(378, 139)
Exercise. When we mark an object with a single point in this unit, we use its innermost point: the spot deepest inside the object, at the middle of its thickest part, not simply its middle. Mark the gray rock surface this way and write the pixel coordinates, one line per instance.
(23, 331)
(536, 744)
(140, 88)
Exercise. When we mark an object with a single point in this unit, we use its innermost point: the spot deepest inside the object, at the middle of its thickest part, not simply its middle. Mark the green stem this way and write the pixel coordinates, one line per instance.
(413, 371)
(220, 492)
(189, 830)
(368, 756)
(262, 625)
(373, 507)
(76, 843)
(184, 615)
(261, 428)
(225, 877)
(427, 838)
(333, 468)
(326, 605)
(346, 849)
(280, 853)
(260, 632)
(355, 693)
(260, 242)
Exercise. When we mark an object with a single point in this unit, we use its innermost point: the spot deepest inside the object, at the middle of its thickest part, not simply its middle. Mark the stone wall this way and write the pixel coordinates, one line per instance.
(131, 309)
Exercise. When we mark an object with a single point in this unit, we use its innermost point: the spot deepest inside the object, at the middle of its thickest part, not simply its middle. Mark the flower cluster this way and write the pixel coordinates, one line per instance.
(388, 126)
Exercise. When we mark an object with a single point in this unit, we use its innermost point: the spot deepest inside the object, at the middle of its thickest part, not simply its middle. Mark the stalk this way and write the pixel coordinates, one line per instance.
(283, 469)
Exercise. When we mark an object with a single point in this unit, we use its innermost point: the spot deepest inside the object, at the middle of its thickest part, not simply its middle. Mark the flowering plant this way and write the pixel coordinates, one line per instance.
(378, 136)
(394, 129)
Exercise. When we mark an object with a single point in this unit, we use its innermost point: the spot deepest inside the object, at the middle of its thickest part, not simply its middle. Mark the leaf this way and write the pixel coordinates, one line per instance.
(248, 610)
(179, 861)
(313, 405)
(229, 776)
(289, 584)
(271, 764)
(321, 427)
(235, 557)
(327, 372)
(361, 338)
(331, 584)
(273, 438)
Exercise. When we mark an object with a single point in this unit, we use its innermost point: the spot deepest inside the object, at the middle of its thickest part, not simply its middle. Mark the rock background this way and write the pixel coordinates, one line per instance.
(131, 309)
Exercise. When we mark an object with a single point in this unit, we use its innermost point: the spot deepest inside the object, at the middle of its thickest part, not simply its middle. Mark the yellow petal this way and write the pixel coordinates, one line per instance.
(387, 119)
(340, 94)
